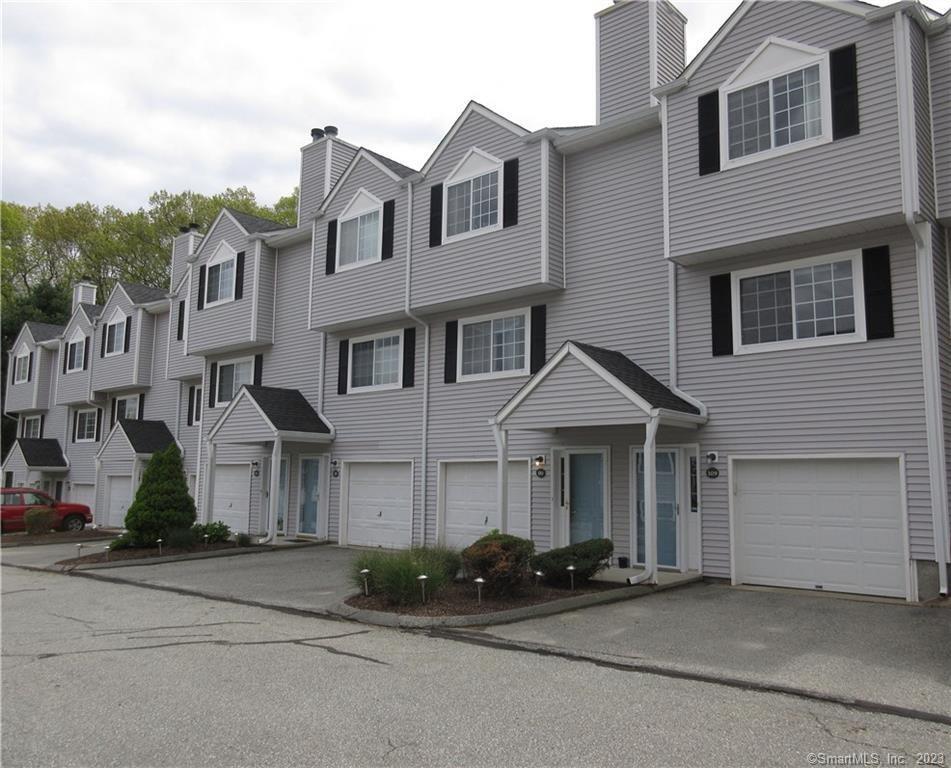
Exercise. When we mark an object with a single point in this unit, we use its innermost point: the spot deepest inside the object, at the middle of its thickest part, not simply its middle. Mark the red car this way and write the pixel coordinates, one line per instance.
(16, 502)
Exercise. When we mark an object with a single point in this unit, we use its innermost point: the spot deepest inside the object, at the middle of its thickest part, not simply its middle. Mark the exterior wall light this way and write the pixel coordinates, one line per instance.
(540, 466)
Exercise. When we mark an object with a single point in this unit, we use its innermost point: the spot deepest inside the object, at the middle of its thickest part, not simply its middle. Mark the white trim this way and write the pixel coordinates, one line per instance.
(123, 399)
(907, 136)
(564, 226)
(113, 322)
(254, 290)
(545, 150)
(140, 313)
(310, 287)
(232, 404)
(911, 589)
(207, 237)
(652, 49)
(525, 370)
(858, 299)
(561, 521)
(79, 412)
(682, 453)
(361, 204)
(231, 361)
(323, 491)
(78, 337)
(328, 163)
(16, 368)
(457, 177)
(344, 521)
(222, 255)
(27, 420)
(471, 107)
(362, 154)
(597, 68)
(398, 384)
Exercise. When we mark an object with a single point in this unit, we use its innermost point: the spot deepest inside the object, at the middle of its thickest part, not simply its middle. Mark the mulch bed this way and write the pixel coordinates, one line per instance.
(142, 554)
(55, 537)
(461, 599)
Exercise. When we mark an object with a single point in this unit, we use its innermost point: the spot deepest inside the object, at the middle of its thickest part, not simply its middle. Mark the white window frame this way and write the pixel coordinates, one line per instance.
(23, 355)
(466, 170)
(222, 255)
(523, 371)
(221, 364)
(125, 401)
(858, 299)
(118, 318)
(79, 415)
(792, 57)
(79, 338)
(197, 405)
(398, 384)
(27, 420)
(360, 204)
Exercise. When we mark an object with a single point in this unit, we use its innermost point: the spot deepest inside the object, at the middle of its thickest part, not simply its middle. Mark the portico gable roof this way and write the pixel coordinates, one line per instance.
(260, 414)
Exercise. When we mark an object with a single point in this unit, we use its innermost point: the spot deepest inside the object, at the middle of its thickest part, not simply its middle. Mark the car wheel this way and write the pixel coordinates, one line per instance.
(74, 523)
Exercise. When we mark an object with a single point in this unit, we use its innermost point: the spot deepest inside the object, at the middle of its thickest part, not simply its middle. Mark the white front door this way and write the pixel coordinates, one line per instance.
(232, 505)
(309, 496)
(380, 504)
(119, 499)
(668, 481)
(831, 524)
(470, 507)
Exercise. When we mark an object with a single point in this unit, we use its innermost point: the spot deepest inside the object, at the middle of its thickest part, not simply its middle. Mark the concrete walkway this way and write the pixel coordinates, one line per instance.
(891, 653)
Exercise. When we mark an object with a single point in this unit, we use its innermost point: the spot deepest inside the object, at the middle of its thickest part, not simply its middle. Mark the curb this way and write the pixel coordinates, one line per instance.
(562, 605)
(684, 673)
(19, 545)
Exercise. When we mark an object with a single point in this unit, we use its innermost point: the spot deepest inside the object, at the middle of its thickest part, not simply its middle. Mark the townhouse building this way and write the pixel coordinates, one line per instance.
(712, 326)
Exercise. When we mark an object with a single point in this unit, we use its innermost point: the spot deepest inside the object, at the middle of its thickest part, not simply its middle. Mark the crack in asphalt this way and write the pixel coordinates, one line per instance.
(106, 632)
(828, 731)
(86, 624)
(393, 747)
(18, 591)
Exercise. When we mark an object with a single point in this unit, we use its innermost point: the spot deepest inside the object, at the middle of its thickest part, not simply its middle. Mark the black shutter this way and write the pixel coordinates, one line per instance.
(331, 262)
(102, 347)
(843, 74)
(343, 358)
(112, 417)
(75, 425)
(142, 407)
(877, 278)
(409, 357)
(127, 334)
(86, 345)
(42, 424)
(98, 424)
(435, 216)
(29, 368)
(510, 193)
(389, 211)
(539, 322)
(258, 369)
(239, 276)
(721, 314)
(708, 132)
(452, 346)
(213, 381)
(201, 286)
(181, 320)
(64, 350)
(191, 407)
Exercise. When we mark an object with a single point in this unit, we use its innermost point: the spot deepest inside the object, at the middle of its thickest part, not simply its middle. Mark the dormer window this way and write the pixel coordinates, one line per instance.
(361, 232)
(778, 101)
(472, 203)
(219, 287)
(115, 334)
(21, 369)
(76, 352)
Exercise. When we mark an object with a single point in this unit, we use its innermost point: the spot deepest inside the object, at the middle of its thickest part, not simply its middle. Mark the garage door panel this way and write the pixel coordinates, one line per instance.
(380, 504)
(470, 507)
(119, 499)
(835, 523)
(232, 503)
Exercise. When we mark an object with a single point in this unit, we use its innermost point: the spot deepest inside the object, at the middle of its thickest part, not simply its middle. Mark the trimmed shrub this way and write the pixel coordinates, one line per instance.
(181, 538)
(394, 574)
(162, 502)
(216, 531)
(41, 520)
(501, 559)
(124, 541)
(588, 557)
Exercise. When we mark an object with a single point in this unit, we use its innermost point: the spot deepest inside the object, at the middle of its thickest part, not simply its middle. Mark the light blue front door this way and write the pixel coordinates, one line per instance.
(585, 496)
(282, 500)
(666, 508)
(309, 495)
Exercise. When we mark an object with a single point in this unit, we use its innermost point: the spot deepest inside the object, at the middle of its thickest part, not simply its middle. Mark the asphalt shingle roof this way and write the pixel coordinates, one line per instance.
(146, 436)
(143, 294)
(255, 223)
(41, 452)
(44, 331)
(288, 409)
(92, 310)
(637, 379)
(398, 168)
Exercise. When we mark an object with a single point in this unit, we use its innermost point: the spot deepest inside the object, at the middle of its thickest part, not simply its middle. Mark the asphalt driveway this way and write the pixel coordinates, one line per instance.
(889, 653)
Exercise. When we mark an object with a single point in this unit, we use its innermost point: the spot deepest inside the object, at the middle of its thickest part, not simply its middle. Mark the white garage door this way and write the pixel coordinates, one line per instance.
(469, 502)
(83, 493)
(119, 488)
(232, 496)
(379, 504)
(831, 524)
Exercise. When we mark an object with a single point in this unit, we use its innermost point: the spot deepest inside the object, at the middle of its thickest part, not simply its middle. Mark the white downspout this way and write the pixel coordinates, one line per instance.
(502, 475)
(650, 505)
(274, 491)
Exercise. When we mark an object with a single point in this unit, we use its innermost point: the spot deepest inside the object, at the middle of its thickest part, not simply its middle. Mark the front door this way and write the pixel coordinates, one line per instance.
(282, 501)
(309, 494)
(668, 510)
(583, 485)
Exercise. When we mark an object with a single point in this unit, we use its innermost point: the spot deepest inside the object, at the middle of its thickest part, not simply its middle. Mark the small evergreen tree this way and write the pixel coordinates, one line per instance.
(162, 503)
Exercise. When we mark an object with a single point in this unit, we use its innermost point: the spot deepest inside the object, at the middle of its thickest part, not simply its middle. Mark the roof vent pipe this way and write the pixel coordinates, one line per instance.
(330, 130)
(316, 133)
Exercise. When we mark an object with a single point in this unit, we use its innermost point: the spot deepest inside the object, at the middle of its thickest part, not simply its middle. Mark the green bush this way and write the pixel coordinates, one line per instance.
(41, 520)
(501, 559)
(216, 531)
(588, 557)
(123, 541)
(162, 502)
(181, 538)
(394, 574)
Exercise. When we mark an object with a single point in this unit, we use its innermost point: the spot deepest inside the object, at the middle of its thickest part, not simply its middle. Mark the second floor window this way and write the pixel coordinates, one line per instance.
(75, 352)
(196, 406)
(115, 337)
(21, 371)
(221, 274)
(86, 426)
(472, 204)
(31, 426)
(375, 362)
(231, 377)
(359, 239)
(127, 407)
(493, 345)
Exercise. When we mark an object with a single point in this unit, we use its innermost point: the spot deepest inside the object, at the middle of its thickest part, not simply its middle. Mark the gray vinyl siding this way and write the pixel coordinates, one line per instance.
(374, 426)
(847, 180)
(313, 158)
(245, 423)
(20, 396)
(74, 387)
(340, 157)
(43, 374)
(82, 456)
(487, 266)
(922, 104)
(186, 435)
(670, 43)
(939, 54)
(161, 400)
(624, 60)
(14, 463)
(181, 365)
(118, 371)
(56, 416)
(371, 291)
(942, 267)
(144, 341)
(181, 246)
(864, 397)
(264, 295)
(225, 326)
(556, 218)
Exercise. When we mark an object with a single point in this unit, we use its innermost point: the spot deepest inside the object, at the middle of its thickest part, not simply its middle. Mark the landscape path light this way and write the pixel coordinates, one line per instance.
(79, 550)
(159, 542)
(479, 582)
(571, 573)
(365, 573)
(206, 541)
(108, 549)
(422, 583)
(538, 577)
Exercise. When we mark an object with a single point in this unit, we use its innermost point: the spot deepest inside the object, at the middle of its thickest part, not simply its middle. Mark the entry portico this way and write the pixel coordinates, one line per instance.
(584, 386)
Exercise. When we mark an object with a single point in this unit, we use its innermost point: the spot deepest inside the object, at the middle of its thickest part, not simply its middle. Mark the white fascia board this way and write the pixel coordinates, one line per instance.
(607, 131)
(221, 214)
(305, 437)
(284, 237)
(361, 155)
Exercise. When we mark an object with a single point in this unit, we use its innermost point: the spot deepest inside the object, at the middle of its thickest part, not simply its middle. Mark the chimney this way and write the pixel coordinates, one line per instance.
(330, 130)
(316, 133)
(83, 293)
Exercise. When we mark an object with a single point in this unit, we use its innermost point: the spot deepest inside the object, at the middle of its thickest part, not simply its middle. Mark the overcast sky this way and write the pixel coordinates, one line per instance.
(108, 102)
